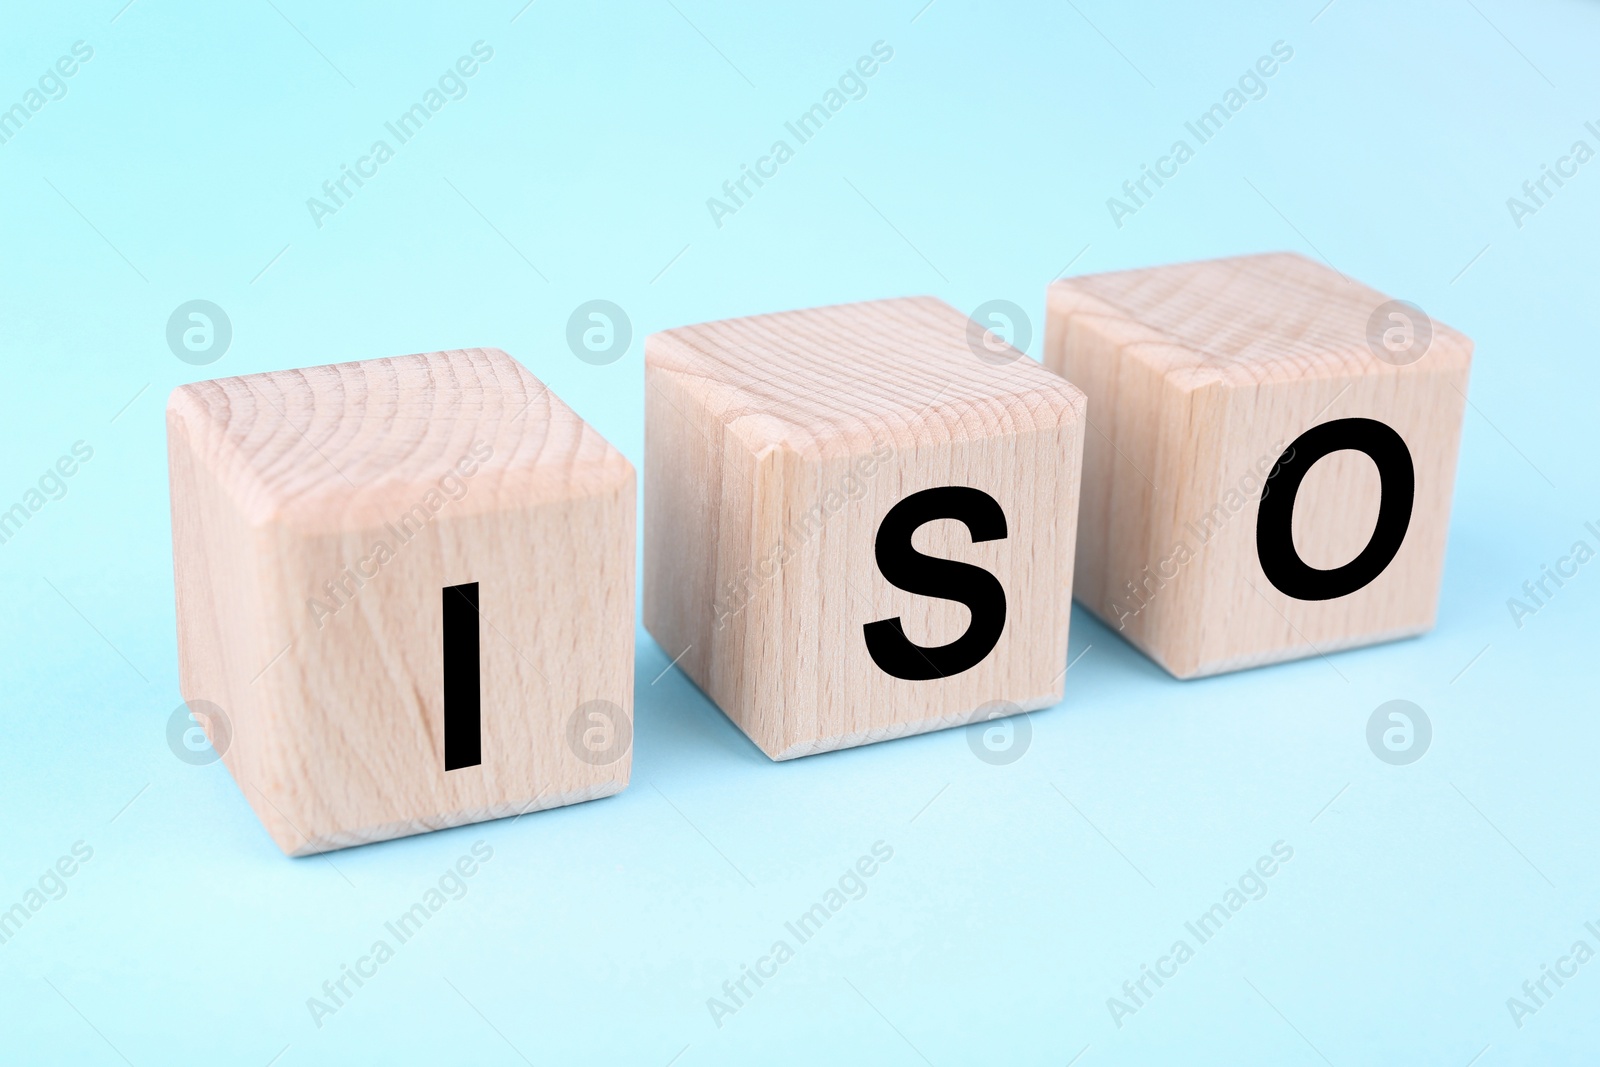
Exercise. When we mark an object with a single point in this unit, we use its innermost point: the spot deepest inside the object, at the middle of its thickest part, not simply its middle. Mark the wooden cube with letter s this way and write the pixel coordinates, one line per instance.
(859, 521)
(1270, 462)
(407, 584)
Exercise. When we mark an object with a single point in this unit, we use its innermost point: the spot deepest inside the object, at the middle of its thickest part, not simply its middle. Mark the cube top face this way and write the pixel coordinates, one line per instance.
(1247, 319)
(857, 527)
(1217, 385)
(846, 379)
(324, 447)
(408, 583)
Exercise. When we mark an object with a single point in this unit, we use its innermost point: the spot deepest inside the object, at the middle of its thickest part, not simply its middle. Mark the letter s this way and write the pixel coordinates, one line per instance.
(908, 569)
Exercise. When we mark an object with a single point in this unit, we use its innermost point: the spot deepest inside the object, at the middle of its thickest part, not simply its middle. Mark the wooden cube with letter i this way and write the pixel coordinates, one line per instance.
(1270, 460)
(407, 584)
(859, 521)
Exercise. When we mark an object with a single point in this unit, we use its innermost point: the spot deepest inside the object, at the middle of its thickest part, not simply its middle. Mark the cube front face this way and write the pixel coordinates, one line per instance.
(1205, 380)
(448, 640)
(793, 619)
(838, 571)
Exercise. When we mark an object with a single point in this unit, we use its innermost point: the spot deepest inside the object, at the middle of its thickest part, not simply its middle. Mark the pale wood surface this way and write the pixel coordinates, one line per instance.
(1197, 376)
(281, 481)
(776, 444)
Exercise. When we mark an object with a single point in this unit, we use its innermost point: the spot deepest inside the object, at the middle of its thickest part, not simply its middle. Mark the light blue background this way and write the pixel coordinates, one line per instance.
(1419, 898)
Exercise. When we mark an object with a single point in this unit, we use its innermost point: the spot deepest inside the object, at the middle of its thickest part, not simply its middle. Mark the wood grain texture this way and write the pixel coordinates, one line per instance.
(1199, 377)
(317, 516)
(775, 445)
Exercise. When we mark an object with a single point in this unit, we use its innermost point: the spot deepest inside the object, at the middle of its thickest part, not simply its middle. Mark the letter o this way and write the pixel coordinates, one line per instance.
(1275, 549)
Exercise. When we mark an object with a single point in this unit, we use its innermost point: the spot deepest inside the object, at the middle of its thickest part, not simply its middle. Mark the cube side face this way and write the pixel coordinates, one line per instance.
(1088, 360)
(1178, 572)
(980, 516)
(358, 737)
(1143, 460)
(699, 568)
(218, 583)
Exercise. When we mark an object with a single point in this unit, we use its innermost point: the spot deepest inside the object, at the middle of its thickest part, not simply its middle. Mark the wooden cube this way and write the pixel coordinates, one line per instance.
(409, 584)
(859, 521)
(1270, 461)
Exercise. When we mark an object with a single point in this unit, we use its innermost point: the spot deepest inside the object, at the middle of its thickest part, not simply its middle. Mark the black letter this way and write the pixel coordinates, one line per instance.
(1275, 520)
(947, 579)
(463, 740)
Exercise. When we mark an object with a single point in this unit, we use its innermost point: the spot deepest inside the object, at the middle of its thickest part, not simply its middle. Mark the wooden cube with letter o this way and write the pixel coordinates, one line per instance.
(859, 521)
(1271, 459)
